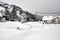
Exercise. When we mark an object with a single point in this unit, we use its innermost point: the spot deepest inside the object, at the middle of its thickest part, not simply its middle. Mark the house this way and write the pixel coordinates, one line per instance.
(47, 19)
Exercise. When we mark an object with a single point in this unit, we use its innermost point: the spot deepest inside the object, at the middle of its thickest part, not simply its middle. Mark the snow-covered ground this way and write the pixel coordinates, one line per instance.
(13, 25)
(29, 31)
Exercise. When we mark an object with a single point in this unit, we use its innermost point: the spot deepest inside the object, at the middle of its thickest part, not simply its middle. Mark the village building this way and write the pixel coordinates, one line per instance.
(47, 19)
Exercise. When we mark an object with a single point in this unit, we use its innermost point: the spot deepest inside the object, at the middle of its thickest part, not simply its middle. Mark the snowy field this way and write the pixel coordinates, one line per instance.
(29, 31)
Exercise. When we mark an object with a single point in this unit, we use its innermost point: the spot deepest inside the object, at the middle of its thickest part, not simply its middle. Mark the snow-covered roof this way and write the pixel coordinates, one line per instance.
(47, 18)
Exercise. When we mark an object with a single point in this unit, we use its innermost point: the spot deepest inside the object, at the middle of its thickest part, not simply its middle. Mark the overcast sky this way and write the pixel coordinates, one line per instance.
(36, 5)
